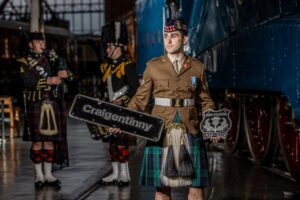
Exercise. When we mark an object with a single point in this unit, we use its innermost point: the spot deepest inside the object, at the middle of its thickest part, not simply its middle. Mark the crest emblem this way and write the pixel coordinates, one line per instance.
(215, 123)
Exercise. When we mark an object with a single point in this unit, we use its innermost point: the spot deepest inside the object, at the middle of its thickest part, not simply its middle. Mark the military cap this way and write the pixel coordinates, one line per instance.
(175, 25)
(115, 33)
(36, 36)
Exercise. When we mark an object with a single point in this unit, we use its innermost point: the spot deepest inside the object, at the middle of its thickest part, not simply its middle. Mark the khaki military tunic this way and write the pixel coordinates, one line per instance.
(161, 81)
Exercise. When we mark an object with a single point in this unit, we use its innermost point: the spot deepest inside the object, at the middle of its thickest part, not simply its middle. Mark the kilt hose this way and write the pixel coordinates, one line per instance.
(151, 172)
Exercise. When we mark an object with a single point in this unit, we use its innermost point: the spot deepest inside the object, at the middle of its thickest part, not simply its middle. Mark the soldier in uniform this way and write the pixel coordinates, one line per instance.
(43, 74)
(119, 83)
(178, 85)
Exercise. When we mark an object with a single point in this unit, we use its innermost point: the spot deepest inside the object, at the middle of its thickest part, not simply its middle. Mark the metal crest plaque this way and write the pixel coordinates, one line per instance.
(106, 114)
(215, 123)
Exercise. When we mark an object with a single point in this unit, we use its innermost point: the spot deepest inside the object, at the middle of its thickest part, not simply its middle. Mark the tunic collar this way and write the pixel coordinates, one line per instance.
(180, 58)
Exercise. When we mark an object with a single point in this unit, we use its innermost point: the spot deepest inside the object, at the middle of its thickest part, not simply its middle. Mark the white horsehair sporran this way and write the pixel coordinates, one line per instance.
(176, 137)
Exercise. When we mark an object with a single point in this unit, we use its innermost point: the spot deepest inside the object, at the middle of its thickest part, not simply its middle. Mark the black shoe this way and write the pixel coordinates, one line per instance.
(56, 183)
(123, 183)
(113, 182)
(38, 184)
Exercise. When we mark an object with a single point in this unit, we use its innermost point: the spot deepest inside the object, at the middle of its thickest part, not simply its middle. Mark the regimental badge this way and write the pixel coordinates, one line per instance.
(178, 24)
(215, 123)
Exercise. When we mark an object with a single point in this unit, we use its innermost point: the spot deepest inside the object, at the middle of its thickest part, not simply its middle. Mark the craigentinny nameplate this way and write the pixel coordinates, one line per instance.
(106, 114)
(215, 123)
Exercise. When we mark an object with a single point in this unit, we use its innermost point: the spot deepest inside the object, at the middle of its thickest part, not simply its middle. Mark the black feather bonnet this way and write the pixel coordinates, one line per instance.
(115, 33)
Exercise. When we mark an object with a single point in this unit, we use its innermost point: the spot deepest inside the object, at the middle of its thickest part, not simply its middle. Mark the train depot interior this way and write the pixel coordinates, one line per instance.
(251, 53)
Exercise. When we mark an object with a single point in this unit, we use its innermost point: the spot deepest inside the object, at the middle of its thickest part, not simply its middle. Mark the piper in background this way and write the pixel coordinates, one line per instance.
(45, 111)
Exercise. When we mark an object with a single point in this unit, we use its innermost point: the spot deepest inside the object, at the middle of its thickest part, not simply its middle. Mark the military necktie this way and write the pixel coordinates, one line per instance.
(176, 67)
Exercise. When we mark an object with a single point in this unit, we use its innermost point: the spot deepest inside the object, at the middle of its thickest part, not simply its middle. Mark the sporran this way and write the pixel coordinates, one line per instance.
(171, 165)
(48, 124)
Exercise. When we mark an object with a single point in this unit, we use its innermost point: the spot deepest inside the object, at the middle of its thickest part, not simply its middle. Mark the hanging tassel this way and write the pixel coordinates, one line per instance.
(170, 168)
(186, 168)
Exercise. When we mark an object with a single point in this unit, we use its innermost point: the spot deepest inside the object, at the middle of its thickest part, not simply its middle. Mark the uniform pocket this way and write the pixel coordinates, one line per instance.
(161, 84)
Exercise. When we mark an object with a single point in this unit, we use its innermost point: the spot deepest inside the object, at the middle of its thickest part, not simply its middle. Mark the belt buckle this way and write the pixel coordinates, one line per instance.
(177, 102)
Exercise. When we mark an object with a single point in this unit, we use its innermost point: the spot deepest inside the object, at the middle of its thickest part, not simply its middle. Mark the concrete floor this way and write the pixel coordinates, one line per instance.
(232, 178)
(89, 161)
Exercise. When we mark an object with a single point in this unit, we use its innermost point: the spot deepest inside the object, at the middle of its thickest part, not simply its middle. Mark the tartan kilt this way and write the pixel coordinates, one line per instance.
(32, 133)
(33, 120)
(150, 174)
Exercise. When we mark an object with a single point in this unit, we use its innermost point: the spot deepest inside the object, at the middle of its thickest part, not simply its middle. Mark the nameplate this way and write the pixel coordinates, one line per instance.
(95, 111)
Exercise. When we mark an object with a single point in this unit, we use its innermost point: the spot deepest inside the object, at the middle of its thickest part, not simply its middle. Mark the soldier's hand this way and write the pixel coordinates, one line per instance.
(114, 130)
(215, 139)
(118, 102)
(54, 80)
(62, 74)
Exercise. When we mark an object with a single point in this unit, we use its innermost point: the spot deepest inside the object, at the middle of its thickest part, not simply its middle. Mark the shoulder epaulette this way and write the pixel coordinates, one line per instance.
(155, 59)
(22, 60)
(196, 60)
(103, 67)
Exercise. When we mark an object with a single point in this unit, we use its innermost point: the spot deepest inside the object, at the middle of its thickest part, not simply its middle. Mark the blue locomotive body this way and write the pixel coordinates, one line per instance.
(264, 58)
(251, 50)
(150, 18)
